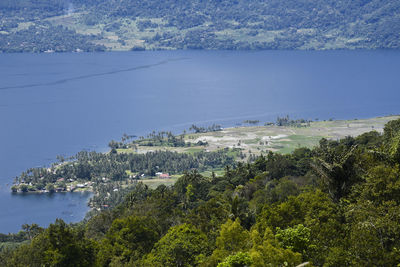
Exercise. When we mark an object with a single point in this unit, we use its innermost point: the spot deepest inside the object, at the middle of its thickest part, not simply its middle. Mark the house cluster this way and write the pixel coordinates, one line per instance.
(71, 188)
(163, 175)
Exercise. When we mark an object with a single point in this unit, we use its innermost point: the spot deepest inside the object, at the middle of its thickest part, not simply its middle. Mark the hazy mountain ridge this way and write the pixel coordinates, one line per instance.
(199, 24)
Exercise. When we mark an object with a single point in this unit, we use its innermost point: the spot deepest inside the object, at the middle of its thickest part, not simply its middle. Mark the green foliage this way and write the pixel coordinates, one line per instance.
(128, 240)
(154, 139)
(382, 184)
(338, 169)
(232, 238)
(99, 224)
(181, 246)
(212, 128)
(374, 232)
(286, 121)
(209, 217)
(58, 245)
(278, 191)
(266, 251)
(370, 139)
(31, 230)
(295, 238)
(316, 211)
(190, 187)
(50, 188)
(240, 259)
(23, 188)
(394, 148)
(391, 130)
(67, 247)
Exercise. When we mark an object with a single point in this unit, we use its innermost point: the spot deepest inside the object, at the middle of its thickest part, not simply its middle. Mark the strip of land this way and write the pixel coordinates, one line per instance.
(259, 140)
(281, 139)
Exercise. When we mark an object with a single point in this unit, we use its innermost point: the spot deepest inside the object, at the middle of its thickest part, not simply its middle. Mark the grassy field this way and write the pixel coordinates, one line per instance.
(282, 139)
(153, 183)
(285, 139)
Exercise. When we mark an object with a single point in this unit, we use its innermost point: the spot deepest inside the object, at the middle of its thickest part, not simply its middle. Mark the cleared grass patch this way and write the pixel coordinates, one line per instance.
(252, 141)
(154, 183)
(193, 150)
(125, 150)
(296, 141)
(217, 172)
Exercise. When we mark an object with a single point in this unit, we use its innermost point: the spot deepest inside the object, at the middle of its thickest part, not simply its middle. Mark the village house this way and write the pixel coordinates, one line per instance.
(164, 176)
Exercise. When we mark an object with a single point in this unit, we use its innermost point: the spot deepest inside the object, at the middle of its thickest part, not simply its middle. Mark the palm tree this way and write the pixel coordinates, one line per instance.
(339, 175)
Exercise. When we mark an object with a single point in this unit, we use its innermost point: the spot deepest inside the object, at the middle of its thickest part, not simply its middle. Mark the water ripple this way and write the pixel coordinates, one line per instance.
(82, 77)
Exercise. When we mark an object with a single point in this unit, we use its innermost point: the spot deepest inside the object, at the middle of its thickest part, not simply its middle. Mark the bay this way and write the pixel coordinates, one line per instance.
(59, 104)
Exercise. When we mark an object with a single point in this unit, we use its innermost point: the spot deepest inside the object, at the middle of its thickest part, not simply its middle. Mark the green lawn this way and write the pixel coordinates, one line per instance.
(154, 183)
(193, 150)
(297, 141)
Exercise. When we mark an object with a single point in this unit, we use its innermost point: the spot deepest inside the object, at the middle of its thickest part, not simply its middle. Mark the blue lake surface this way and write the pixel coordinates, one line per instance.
(59, 104)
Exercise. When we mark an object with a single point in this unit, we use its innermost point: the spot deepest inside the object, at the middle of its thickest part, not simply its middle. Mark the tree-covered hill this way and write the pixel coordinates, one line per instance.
(199, 24)
(335, 205)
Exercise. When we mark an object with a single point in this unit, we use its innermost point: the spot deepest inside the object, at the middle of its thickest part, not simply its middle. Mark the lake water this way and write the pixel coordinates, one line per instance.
(59, 104)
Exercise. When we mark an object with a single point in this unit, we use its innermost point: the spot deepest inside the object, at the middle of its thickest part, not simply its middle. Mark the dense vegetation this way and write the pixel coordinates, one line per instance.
(199, 24)
(111, 175)
(335, 205)
(36, 34)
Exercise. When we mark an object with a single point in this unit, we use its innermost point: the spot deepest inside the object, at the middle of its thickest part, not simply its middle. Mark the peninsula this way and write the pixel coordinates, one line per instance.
(161, 158)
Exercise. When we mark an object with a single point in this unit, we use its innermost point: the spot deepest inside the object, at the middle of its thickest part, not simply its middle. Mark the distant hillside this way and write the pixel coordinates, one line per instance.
(91, 25)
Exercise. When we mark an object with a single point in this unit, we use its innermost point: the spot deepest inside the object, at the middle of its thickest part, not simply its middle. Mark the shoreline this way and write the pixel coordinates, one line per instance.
(128, 50)
(48, 192)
